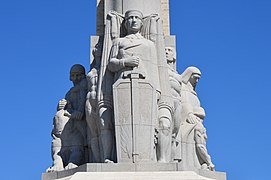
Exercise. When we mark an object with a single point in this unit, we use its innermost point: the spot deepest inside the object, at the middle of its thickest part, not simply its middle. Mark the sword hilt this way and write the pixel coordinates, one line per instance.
(134, 74)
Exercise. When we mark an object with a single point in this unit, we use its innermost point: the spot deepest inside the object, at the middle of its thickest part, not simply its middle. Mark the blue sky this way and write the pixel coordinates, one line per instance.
(230, 41)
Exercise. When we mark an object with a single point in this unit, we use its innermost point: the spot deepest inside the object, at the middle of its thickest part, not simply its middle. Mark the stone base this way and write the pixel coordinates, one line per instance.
(182, 175)
(137, 171)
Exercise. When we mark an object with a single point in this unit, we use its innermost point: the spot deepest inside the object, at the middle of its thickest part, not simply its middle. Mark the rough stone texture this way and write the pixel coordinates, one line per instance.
(170, 41)
(165, 17)
(142, 121)
(153, 170)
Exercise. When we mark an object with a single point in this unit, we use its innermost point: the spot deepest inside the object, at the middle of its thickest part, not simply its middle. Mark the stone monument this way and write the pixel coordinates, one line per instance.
(133, 116)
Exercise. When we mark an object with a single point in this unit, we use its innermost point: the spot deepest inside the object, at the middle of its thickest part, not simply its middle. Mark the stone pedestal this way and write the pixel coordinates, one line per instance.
(184, 175)
(133, 171)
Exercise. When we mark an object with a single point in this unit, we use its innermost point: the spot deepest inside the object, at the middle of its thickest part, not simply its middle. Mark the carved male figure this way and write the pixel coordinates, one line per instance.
(192, 116)
(69, 124)
(132, 52)
(92, 117)
(175, 84)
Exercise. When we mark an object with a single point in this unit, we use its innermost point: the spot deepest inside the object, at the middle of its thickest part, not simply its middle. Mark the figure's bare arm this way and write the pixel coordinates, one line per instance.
(117, 64)
(92, 79)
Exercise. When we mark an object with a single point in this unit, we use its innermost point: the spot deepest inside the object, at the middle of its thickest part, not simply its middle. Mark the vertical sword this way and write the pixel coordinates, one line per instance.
(134, 77)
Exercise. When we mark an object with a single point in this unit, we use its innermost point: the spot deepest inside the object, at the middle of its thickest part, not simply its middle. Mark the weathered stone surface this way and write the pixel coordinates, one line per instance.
(165, 17)
(131, 147)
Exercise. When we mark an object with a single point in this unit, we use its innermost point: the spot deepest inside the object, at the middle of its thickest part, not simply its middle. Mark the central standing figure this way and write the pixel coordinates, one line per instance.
(133, 61)
(134, 51)
(135, 88)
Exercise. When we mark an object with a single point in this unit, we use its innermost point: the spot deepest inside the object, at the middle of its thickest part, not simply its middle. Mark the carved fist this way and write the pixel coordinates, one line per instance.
(92, 95)
(61, 104)
(192, 119)
(132, 61)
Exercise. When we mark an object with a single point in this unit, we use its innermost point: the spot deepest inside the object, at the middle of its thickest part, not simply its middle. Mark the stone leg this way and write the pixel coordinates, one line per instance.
(92, 135)
(57, 159)
(107, 134)
(75, 157)
(176, 138)
(200, 140)
(164, 136)
(94, 150)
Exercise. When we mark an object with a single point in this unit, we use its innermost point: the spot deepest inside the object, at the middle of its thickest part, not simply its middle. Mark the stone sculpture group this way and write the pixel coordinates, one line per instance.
(132, 106)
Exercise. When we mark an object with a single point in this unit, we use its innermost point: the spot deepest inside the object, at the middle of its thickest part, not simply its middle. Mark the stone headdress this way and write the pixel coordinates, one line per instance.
(188, 73)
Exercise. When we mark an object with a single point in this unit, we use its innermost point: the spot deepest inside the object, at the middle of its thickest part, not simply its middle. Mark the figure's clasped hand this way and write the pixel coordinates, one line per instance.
(132, 61)
(192, 119)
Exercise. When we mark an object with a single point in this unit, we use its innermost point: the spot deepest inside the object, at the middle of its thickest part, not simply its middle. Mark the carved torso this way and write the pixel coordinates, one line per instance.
(137, 45)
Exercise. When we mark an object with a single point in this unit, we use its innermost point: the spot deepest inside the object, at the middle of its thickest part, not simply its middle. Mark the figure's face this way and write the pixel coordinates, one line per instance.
(76, 76)
(133, 23)
(194, 79)
(169, 54)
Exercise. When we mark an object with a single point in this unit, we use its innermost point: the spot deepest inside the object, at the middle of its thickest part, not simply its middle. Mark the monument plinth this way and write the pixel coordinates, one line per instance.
(133, 116)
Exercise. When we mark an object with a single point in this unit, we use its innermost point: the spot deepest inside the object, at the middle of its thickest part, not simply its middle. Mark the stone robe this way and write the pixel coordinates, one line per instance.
(135, 45)
(190, 104)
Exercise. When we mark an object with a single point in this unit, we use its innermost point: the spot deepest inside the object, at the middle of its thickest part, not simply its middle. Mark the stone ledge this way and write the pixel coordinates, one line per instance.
(182, 175)
(132, 168)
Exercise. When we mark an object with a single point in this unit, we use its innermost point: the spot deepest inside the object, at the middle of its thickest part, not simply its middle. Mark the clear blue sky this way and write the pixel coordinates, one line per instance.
(229, 40)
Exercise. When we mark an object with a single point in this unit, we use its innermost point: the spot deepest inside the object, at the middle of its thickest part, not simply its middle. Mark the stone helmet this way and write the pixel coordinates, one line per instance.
(186, 75)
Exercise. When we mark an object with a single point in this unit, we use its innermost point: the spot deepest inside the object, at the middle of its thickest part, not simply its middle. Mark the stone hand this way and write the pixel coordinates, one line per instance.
(61, 104)
(92, 95)
(131, 61)
(192, 119)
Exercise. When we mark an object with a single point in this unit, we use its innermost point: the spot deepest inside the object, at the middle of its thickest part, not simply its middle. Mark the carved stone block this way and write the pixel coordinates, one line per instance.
(134, 122)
